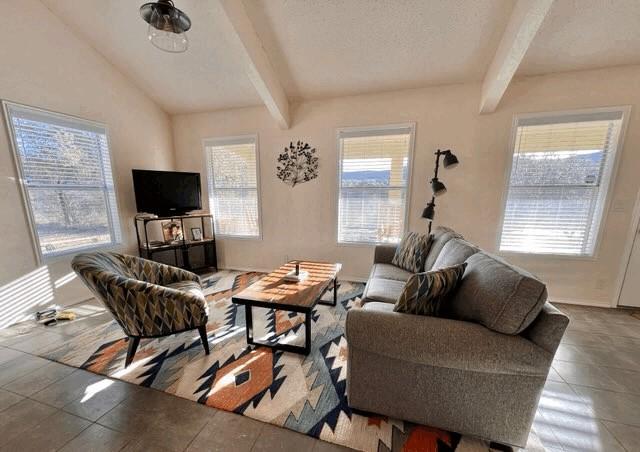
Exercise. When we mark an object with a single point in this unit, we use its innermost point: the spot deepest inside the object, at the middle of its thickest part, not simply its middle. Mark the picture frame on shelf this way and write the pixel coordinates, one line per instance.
(196, 234)
(172, 231)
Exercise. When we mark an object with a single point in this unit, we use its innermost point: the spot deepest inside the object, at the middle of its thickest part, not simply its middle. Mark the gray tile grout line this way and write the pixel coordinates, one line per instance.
(557, 373)
(258, 436)
(200, 431)
(119, 403)
(96, 422)
(129, 440)
(61, 410)
(46, 418)
(611, 320)
(595, 417)
(91, 422)
(57, 409)
(636, 371)
(604, 335)
(614, 436)
(551, 428)
(600, 389)
(79, 433)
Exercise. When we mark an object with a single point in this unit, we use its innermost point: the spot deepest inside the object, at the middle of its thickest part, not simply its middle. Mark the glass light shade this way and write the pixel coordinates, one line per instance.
(167, 26)
(168, 40)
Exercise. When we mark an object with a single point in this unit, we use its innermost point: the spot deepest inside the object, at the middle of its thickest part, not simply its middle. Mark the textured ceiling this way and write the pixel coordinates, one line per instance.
(210, 75)
(585, 34)
(329, 48)
(323, 48)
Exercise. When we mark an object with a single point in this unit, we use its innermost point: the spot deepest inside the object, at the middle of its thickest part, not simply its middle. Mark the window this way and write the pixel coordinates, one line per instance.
(232, 168)
(373, 183)
(65, 170)
(561, 172)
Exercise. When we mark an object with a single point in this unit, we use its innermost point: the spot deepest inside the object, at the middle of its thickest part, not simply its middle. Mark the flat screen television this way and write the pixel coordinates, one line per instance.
(166, 193)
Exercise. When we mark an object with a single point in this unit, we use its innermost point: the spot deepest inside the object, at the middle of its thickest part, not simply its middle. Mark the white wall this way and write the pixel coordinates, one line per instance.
(300, 222)
(44, 64)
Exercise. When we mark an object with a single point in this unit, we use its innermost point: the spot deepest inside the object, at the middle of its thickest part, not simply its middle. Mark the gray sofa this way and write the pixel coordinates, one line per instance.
(479, 371)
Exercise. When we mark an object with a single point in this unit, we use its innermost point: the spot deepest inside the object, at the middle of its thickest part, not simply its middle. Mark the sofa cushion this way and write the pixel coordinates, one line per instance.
(384, 290)
(441, 236)
(412, 252)
(388, 271)
(454, 252)
(424, 293)
(498, 295)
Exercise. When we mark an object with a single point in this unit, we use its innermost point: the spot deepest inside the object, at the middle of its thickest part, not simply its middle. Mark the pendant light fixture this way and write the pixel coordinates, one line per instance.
(167, 26)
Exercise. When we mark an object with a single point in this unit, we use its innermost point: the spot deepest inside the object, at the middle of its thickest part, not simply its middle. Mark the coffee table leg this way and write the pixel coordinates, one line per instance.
(335, 291)
(249, 322)
(307, 333)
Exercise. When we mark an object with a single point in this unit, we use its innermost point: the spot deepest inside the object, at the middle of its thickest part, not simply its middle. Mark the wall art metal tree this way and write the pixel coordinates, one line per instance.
(297, 164)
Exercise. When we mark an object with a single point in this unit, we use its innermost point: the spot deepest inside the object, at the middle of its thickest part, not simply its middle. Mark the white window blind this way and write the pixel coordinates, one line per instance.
(561, 171)
(373, 183)
(232, 166)
(65, 168)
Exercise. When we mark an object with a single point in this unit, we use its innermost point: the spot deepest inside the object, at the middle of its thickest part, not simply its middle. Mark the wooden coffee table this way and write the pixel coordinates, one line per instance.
(273, 292)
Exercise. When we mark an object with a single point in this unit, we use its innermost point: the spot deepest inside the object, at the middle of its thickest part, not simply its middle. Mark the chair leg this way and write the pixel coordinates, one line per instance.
(203, 338)
(131, 350)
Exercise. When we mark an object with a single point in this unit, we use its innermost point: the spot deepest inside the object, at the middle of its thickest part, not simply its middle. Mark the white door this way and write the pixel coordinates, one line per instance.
(630, 295)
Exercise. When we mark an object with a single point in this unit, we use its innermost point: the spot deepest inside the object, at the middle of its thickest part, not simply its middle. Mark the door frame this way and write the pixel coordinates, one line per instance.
(628, 250)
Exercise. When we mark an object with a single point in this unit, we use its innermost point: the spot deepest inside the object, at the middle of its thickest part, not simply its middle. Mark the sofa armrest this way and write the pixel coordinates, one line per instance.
(441, 342)
(383, 254)
(548, 328)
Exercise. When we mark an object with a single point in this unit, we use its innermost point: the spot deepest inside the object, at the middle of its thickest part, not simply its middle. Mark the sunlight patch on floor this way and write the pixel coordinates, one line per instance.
(95, 388)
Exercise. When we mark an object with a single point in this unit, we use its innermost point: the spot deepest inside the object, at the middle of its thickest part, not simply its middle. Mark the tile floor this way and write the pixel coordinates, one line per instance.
(591, 401)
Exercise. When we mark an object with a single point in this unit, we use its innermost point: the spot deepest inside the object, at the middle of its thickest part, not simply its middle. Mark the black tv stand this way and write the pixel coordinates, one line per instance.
(175, 214)
(181, 248)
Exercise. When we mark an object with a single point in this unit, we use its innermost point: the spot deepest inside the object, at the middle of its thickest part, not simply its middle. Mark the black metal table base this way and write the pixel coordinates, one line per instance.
(335, 294)
(304, 350)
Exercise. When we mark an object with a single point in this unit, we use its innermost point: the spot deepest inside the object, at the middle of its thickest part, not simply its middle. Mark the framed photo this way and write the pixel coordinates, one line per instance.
(171, 231)
(196, 234)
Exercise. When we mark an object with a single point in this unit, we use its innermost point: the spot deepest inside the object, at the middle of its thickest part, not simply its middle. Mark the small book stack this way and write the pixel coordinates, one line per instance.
(51, 316)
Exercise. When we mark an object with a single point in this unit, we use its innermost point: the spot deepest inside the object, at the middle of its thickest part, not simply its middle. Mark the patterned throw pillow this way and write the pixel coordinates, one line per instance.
(424, 293)
(412, 251)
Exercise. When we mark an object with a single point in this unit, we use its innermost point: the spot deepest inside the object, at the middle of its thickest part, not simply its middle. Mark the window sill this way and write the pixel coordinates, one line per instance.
(238, 237)
(66, 255)
(364, 244)
(542, 256)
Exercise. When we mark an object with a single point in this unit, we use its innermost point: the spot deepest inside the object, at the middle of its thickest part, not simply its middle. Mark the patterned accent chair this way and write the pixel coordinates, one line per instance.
(148, 299)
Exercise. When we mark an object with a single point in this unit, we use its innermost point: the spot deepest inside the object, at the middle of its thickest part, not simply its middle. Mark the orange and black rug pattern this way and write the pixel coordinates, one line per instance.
(302, 393)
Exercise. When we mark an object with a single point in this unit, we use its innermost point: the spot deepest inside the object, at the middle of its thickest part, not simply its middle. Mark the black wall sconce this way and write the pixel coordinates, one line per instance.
(449, 160)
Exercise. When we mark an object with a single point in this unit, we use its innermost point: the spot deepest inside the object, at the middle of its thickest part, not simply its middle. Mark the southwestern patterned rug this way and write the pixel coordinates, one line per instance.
(305, 394)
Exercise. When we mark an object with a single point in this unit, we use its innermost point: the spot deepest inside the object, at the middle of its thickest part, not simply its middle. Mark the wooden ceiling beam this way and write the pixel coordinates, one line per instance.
(525, 21)
(258, 66)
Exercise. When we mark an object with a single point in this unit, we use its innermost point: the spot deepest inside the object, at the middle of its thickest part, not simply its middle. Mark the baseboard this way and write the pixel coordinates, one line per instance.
(353, 279)
(582, 302)
(247, 269)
